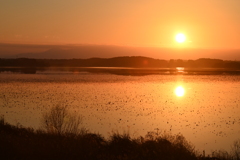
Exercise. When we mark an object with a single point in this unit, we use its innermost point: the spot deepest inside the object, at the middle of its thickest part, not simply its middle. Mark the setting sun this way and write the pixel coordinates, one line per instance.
(179, 91)
(180, 38)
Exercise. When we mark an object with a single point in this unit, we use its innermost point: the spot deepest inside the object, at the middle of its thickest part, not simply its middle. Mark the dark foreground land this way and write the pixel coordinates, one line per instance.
(17, 142)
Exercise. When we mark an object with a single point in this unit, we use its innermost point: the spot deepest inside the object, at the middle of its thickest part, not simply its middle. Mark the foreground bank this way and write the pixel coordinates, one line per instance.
(17, 142)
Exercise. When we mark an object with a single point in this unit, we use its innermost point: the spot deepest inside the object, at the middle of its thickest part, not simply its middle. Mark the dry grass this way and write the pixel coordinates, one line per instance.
(17, 142)
(25, 143)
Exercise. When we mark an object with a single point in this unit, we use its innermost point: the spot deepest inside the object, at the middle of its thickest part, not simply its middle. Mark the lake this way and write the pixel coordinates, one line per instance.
(205, 109)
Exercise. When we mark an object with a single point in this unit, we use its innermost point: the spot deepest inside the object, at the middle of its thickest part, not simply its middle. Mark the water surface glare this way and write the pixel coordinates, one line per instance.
(207, 113)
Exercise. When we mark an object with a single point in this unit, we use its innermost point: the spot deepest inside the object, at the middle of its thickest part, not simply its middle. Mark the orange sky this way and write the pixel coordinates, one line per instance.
(206, 23)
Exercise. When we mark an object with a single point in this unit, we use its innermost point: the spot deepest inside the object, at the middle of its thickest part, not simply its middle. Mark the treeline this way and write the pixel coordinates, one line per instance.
(135, 62)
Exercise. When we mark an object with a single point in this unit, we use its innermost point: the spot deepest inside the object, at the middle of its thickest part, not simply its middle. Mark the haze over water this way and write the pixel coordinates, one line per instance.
(206, 112)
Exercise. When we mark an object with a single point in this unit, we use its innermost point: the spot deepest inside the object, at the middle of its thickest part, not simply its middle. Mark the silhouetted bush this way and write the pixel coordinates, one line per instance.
(59, 120)
(236, 150)
(17, 142)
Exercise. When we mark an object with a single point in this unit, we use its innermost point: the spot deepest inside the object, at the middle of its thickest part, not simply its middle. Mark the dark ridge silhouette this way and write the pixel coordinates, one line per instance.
(135, 62)
(123, 66)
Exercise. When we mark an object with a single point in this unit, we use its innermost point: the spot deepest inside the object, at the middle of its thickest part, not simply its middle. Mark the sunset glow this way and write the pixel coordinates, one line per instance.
(210, 24)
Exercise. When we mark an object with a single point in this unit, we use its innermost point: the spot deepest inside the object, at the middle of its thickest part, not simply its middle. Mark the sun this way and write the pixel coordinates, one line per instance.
(179, 91)
(180, 38)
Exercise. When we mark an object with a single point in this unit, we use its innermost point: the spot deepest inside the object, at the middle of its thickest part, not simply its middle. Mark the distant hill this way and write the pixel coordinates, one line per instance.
(105, 51)
(82, 52)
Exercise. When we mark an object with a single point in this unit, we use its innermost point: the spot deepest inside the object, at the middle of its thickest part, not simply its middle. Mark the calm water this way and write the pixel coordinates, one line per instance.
(207, 113)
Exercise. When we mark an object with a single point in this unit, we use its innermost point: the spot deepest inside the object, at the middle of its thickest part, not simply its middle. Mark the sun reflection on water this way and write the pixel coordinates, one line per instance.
(180, 69)
(179, 91)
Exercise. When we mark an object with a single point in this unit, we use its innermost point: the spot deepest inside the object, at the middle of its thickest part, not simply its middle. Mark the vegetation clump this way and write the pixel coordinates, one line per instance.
(59, 120)
(63, 138)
